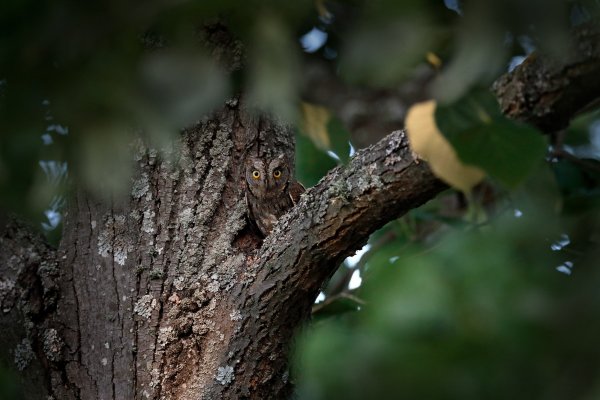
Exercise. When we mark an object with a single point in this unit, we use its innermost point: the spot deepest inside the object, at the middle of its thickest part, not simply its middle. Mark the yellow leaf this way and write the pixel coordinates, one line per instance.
(428, 142)
(322, 10)
(314, 122)
(434, 60)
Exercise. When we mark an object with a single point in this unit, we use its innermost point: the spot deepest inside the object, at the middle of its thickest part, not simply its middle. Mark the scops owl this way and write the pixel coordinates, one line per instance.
(269, 191)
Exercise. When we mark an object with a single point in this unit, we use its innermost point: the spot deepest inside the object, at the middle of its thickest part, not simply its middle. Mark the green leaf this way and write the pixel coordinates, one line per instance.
(482, 136)
(431, 145)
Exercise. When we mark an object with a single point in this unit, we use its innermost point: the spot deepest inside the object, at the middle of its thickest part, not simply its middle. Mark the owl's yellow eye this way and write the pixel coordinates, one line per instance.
(277, 174)
(255, 174)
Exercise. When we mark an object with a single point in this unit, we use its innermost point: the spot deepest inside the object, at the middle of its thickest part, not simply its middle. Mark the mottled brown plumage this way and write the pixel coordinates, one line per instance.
(269, 192)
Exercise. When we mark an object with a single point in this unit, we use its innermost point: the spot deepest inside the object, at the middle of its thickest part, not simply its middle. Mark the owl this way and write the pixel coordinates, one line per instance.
(269, 191)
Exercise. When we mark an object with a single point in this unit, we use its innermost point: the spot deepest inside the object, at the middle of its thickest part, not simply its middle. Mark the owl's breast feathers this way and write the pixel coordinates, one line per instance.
(265, 212)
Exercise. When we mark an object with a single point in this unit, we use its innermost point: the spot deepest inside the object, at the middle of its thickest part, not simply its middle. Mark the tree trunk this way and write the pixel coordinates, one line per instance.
(146, 283)
(168, 294)
(146, 307)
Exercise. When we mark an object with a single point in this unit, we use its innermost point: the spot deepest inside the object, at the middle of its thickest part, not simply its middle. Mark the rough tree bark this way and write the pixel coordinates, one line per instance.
(547, 92)
(168, 294)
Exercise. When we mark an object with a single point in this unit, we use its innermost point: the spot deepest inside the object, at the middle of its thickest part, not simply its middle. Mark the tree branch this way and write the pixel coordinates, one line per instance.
(382, 182)
(332, 220)
(337, 216)
(547, 92)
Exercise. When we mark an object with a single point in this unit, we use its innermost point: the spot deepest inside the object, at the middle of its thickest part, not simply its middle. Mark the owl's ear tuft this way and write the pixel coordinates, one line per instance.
(278, 162)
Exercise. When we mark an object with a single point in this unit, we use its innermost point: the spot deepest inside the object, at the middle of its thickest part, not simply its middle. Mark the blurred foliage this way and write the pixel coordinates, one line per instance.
(579, 182)
(273, 64)
(314, 125)
(479, 312)
(108, 72)
(311, 163)
(325, 131)
(431, 145)
(10, 388)
(493, 295)
(484, 137)
(469, 138)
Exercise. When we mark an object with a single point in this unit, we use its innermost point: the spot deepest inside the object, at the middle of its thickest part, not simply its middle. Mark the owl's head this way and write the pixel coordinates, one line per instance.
(267, 177)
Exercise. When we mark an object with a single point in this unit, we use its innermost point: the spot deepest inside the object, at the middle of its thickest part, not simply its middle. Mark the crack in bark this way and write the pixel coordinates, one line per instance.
(76, 387)
(165, 276)
(167, 257)
(114, 237)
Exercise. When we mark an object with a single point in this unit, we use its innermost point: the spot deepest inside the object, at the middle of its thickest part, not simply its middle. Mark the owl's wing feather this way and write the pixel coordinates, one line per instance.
(261, 219)
(252, 218)
(296, 189)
